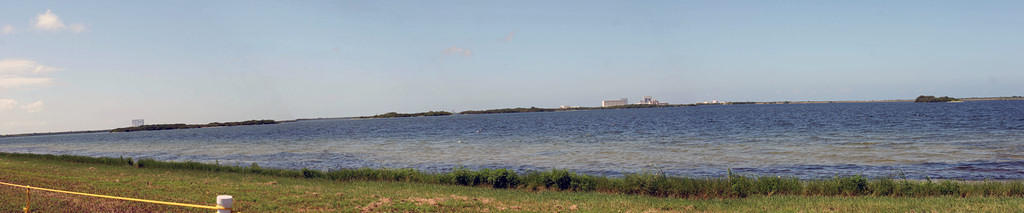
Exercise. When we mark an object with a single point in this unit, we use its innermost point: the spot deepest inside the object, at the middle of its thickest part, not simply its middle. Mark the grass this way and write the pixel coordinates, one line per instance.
(269, 190)
(653, 184)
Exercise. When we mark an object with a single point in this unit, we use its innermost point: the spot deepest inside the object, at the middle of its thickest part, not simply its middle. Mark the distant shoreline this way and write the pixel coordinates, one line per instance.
(1013, 98)
(53, 133)
(491, 111)
(155, 127)
(535, 109)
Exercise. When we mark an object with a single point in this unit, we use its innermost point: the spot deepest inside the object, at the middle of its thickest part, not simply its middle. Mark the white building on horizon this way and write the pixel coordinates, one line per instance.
(611, 103)
(651, 101)
(138, 122)
(648, 100)
(713, 102)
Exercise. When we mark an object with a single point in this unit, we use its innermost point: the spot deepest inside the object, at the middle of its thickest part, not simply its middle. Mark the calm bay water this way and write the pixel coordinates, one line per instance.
(972, 140)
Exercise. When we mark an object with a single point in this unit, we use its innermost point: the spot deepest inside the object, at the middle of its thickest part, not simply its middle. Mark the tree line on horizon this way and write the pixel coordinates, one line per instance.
(928, 99)
(190, 126)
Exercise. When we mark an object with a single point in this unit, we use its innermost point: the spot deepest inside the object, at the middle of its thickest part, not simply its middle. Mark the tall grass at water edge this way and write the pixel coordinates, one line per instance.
(653, 184)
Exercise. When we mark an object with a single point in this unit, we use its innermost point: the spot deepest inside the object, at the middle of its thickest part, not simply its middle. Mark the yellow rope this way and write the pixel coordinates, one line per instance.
(120, 198)
(28, 199)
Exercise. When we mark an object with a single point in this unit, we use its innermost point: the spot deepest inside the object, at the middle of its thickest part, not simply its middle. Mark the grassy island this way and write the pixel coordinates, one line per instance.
(152, 127)
(259, 189)
(927, 99)
(403, 115)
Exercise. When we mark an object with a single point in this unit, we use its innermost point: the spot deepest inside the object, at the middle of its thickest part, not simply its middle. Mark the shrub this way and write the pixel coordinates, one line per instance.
(883, 187)
(1015, 189)
(464, 177)
(308, 173)
(558, 178)
(741, 186)
(853, 185)
(947, 187)
(503, 178)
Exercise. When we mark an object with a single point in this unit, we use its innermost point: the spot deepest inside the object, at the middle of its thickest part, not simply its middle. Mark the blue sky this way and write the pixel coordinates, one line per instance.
(74, 65)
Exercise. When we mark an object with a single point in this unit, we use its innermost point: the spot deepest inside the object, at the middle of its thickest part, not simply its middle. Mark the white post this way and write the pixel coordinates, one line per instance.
(224, 201)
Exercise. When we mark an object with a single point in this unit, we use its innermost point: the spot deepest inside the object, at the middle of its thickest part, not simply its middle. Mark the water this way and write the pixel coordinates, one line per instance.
(972, 140)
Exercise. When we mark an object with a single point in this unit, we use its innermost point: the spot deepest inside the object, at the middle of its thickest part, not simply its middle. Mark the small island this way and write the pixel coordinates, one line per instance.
(152, 127)
(507, 110)
(403, 115)
(931, 99)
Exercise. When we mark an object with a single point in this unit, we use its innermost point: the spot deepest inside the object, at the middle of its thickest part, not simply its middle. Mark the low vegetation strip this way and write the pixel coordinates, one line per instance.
(298, 191)
(191, 126)
(403, 115)
(653, 184)
(508, 110)
(926, 99)
(535, 109)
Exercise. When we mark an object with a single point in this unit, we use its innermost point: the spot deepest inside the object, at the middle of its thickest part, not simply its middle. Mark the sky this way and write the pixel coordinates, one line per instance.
(81, 65)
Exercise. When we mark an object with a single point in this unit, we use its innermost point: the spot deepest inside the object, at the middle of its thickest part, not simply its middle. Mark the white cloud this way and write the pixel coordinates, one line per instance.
(16, 73)
(33, 107)
(49, 21)
(7, 29)
(7, 104)
(23, 66)
(457, 51)
(7, 82)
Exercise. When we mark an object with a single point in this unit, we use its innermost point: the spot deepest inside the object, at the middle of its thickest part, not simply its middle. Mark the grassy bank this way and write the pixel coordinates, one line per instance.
(368, 190)
(731, 186)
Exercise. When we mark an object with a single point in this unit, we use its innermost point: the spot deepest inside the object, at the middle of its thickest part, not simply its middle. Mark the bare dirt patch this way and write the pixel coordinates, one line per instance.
(377, 204)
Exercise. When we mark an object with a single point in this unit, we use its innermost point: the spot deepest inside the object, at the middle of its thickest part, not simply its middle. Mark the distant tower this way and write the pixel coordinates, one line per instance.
(138, 122)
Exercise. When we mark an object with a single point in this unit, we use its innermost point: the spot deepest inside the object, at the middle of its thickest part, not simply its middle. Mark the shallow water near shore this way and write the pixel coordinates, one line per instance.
(971, 140)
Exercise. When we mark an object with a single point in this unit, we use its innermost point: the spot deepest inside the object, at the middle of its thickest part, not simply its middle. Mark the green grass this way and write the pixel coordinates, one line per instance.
(270, 190)
(653, 184)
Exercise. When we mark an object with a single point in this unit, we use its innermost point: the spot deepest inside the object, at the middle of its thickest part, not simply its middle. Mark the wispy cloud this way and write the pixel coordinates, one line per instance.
(33, 107)
(77, 28)
(510, 36)
(49, 21)
(23, 66)
(22, 124)
(16, 82)
(7, 29)
(457, 51)
(7, 104)
(15, 73)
